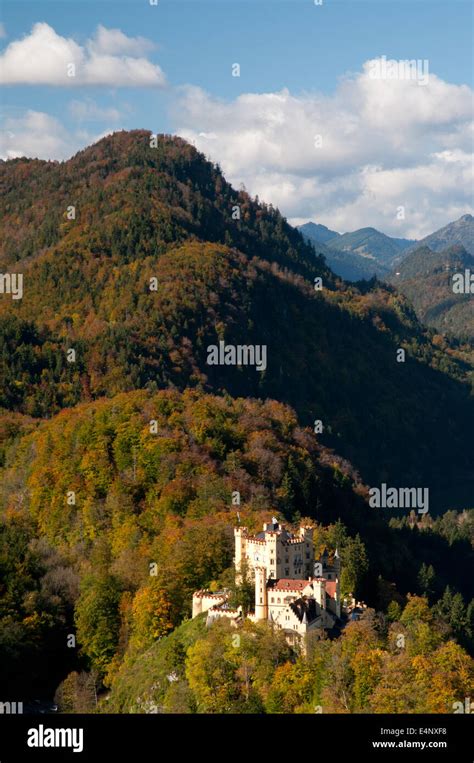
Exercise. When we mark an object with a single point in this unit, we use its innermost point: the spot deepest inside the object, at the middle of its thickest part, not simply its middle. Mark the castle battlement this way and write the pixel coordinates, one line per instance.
(228, 610)
(210, 594)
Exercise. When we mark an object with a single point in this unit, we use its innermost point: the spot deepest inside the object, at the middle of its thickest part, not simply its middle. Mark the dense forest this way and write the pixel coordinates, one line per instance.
(118, 467)
(401, 662)
(95, 497)
(153, 268)
(426, 279)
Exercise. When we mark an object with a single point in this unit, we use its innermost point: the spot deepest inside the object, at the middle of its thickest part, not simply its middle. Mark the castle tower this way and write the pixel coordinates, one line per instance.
(240, 535)
(307, 539)
(197, 603)
(261, 601)
(273, 554)
(337, 567)
(338, 601)
(319, 589)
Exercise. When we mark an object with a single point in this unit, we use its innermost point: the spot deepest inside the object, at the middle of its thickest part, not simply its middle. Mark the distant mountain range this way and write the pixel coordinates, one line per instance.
(371, 244)
(366, 252)
(358, 255)
(318, 233)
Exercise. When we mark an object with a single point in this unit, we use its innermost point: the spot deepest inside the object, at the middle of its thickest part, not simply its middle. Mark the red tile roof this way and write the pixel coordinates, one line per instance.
(331, 588)
(287, 584)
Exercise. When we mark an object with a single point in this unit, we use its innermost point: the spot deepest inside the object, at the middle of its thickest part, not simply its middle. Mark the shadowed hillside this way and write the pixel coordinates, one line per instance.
(166, 215)
(426, 279)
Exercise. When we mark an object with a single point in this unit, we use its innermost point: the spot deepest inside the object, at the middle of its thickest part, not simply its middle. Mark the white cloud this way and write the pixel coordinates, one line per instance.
(88, 111)
(35, 135)
(113, 42)
(385, 144)
(45, 58)
(40, 136)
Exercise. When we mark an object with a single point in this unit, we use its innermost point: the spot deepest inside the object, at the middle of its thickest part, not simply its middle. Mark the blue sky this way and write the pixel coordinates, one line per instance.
(289, 46)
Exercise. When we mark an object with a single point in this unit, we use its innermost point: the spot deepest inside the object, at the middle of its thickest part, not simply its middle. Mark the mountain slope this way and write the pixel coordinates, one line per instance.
(426, 279)
(166, 214)
(122, 448)
(460, 232)
(91, 496)
(318, 233)
(362, 254)
(126, 200)
(352, 267)
(347, 265)
(153, 476)
(371, 243)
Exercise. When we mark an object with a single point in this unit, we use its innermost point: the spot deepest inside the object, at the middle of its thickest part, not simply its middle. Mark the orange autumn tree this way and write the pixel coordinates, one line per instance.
(151, 615)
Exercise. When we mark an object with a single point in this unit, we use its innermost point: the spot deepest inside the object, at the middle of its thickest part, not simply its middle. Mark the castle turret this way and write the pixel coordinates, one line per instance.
(261, 602)
(240, 536)
(197, 603)
(319, 588)
(306, 532)
(337, 597)
(337, 563)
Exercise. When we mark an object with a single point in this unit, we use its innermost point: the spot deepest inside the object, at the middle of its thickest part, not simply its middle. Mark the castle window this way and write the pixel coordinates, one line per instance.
(272, 600)
(307, 555)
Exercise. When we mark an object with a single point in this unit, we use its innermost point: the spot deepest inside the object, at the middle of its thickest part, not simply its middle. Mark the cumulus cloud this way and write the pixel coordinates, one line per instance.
(88, 111)
(110, 58)
(113, 42)
(347, 160)
(40, 136)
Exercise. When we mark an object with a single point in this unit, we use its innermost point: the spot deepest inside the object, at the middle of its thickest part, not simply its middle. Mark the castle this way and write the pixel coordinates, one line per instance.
(292, 591)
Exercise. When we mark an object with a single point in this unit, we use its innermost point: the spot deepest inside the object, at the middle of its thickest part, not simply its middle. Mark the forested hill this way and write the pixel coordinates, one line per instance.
(132, 201)
(92, 497)
(124, 456)
(92, 233)
(426, 279)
